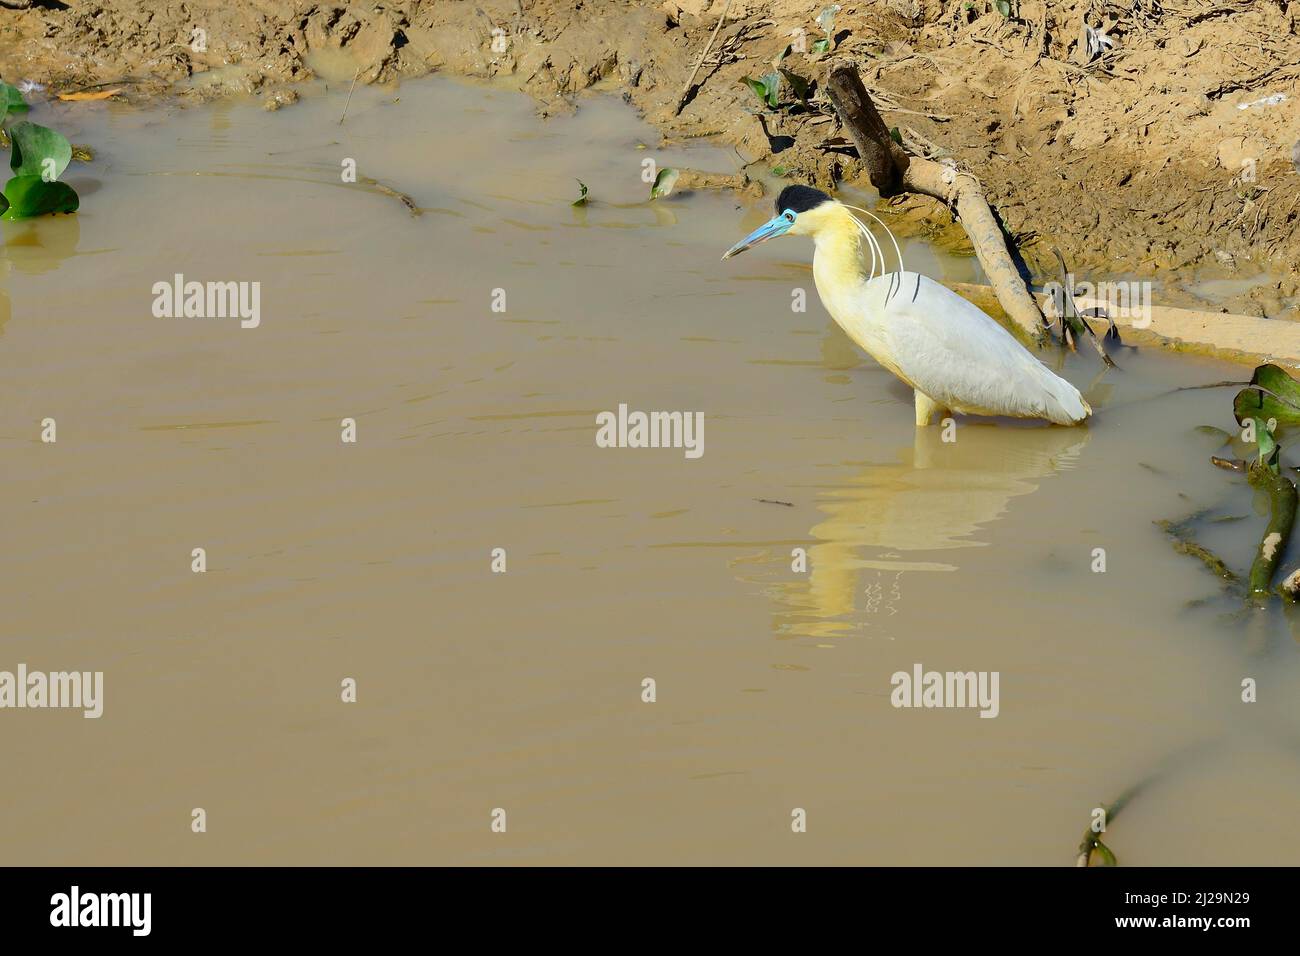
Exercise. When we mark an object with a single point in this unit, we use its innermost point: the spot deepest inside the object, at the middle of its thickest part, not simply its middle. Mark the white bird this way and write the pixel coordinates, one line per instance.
(955, 357)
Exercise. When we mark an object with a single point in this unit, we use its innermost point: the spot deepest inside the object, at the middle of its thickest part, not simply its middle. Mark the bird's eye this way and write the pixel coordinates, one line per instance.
(789, 216)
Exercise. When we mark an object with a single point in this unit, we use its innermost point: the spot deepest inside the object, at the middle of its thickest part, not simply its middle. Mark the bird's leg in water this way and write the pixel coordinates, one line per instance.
(927, 409)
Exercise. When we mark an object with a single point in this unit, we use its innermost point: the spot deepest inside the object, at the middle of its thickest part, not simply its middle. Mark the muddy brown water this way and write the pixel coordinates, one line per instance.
(476, 430)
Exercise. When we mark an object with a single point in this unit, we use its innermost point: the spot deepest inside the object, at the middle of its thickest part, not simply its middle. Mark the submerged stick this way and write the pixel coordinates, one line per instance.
(401, 197)
(1281, 518)
(1092, 838)
(892, 170)
(348, 102)
(1072, 318)
(1184, 544)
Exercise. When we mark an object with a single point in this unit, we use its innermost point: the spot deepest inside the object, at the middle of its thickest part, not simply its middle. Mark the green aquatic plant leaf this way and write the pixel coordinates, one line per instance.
(1004, 8)
(664, 182)
(11, 99)
(767, 87)
(895, 135)
(38, 151)
(824, 46)
(30, 196)
(1268, 447)
(1273, 395)
(582, 195)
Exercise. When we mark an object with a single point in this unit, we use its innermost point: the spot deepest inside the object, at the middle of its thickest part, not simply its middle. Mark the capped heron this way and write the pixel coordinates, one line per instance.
(954, 356)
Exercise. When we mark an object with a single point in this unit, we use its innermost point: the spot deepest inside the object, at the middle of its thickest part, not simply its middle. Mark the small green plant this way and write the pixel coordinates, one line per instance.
(582, 194)
(38, 156)
(767, 88)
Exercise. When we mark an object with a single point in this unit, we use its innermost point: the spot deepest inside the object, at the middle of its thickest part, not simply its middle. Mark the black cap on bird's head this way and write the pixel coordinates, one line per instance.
(800, 199)
(792, 201)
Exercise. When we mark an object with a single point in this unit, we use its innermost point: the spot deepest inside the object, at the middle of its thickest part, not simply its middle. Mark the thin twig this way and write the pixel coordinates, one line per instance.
(681, 100)
(349, 100)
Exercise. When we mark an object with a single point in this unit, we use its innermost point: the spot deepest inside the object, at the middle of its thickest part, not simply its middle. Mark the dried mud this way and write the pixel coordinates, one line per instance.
(1171, 154)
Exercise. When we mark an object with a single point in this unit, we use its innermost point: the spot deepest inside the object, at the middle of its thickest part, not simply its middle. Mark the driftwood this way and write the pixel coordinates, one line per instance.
(893, 171)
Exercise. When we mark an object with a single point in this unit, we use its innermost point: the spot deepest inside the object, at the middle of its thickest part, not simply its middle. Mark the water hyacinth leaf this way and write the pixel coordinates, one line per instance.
(30, 196)
(582, 194)
(1277, 397)
(1268, 448)
(38, 151)
(11, 99)
(664, 182)
(798, 84)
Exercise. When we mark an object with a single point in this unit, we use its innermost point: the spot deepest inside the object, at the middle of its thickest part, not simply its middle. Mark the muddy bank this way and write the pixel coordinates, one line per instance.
(1149, 139)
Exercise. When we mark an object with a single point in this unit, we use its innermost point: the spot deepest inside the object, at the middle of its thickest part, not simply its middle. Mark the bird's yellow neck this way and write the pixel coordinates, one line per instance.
(838, 268)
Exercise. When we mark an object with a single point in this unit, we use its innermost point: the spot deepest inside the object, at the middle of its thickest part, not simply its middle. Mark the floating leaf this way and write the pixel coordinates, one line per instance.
(89, 95)
(779, 170)
(1277, 397)
(582, 194)
(823, 46)
(664, 182)
(38, 151)
(30, 196)
(1004, 8)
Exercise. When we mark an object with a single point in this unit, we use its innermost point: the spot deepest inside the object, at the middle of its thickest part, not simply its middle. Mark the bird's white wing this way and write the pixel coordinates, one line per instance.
(950, 350)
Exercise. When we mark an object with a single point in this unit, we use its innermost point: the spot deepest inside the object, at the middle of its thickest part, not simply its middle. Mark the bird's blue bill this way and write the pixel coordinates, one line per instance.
(776, 226)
